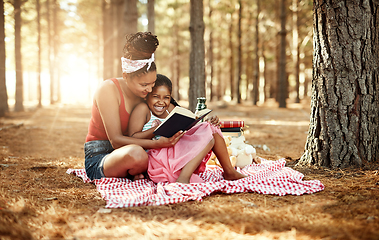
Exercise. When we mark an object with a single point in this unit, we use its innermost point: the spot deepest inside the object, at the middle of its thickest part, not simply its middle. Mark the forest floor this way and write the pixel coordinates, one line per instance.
(39, 200)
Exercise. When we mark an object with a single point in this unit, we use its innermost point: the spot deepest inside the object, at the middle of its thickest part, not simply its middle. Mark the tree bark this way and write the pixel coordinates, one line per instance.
(107, 41)
(218, 70)
(197, 54)
(344, 120)
(39, 90)
(231, 58)
(282, 74)
(210, 53)
(49, 54)
(177, 63)
(3, 88)
(255, 94)
(129, 18)
(151, 16)
(295, 49)
(19, 105)
(239, 65)
(56, 62)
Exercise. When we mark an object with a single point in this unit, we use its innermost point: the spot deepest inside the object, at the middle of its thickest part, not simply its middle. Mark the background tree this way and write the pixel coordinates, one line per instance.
(39, 90)
(197, 54)
(255, 93)
(282, 74)
(344, 121)
(3, 88)
(56, 40)
(239, 58)
(210, 52)
(128, 16)
(50, 52)
(151, 16)
(107, 40)
(295, 49)
(231, 56)
(19, 105)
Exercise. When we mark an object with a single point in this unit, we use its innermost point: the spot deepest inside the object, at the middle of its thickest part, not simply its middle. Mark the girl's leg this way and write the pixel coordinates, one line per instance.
(222, 155)
(130, 159)
(190, 167)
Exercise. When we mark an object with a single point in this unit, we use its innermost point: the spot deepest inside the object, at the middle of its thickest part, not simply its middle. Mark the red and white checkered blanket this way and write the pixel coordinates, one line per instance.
(270, 177)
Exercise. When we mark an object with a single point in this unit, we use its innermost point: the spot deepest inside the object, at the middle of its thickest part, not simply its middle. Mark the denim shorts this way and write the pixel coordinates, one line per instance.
(95, 154)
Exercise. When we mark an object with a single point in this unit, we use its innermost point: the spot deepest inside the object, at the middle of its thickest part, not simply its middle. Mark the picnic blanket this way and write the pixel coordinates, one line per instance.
(269, 177)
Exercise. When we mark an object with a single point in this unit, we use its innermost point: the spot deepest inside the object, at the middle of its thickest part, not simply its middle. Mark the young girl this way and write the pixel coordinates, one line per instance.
(183, 161)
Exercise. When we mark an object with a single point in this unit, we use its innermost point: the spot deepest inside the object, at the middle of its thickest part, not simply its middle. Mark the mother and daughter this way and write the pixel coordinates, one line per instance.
(120, 140)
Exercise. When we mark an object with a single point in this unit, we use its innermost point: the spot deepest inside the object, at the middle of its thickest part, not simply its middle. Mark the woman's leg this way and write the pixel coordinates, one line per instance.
(222, 155)
(190, 167)
(130, 159)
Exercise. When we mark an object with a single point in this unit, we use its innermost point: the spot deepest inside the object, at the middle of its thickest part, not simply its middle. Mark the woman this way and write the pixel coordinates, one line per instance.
(109, 152)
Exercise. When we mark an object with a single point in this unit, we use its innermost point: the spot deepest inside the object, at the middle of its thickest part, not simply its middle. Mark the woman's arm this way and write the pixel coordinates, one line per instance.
(139, 117)
(107, 100)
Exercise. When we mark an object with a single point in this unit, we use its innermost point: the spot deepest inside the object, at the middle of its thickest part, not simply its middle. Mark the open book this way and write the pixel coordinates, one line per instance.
(180, 119)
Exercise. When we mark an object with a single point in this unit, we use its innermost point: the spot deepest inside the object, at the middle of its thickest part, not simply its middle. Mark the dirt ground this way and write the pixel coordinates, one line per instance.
(38, 200)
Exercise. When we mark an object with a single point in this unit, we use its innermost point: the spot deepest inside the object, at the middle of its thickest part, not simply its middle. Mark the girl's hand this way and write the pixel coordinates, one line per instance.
(169, 142)
(214, 120)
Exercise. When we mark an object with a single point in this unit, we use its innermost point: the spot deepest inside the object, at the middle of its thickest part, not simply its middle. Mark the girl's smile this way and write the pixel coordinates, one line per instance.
(159, 101)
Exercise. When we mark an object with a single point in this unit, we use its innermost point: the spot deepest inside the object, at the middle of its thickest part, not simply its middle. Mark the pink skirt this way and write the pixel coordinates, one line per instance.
(165, 164)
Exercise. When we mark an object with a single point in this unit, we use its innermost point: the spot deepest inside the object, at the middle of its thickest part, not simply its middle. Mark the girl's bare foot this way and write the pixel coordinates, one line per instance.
(233, 175)
(179, 180)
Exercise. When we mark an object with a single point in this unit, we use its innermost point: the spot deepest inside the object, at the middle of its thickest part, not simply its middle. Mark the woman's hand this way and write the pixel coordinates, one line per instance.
(169, 142)
(214, 120)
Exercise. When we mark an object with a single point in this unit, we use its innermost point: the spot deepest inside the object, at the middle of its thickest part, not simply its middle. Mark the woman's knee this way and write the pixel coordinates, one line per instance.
(137, 155)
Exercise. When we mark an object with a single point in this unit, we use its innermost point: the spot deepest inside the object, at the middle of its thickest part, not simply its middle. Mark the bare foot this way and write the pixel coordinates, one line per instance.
(138, 177)
(234, 175)
(179, 180)
(257, 160)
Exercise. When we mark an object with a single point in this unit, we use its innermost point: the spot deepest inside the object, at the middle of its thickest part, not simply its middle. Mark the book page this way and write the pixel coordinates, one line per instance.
(202, 112)
(182, 111)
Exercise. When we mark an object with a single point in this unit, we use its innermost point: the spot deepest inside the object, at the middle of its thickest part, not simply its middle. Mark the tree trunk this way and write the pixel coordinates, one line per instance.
(295, 49)
(239, 52)
(129, 18)
(56, 76)
(119, 10)
(176, 69)
(3, 88)
(344, 120)
(19, 105)
(151, 16)
(210, 54)
(282, 75)
(218, 70)
(107, 41)
(39, 90)
(197, 54)
(256, 70)
(49, 55)
(231, 59)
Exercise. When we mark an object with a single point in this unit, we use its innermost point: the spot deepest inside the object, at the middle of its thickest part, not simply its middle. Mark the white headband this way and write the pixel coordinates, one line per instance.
(129, 66)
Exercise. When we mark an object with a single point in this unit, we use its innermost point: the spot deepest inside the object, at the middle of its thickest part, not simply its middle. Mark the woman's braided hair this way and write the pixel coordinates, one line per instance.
(141, 45)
